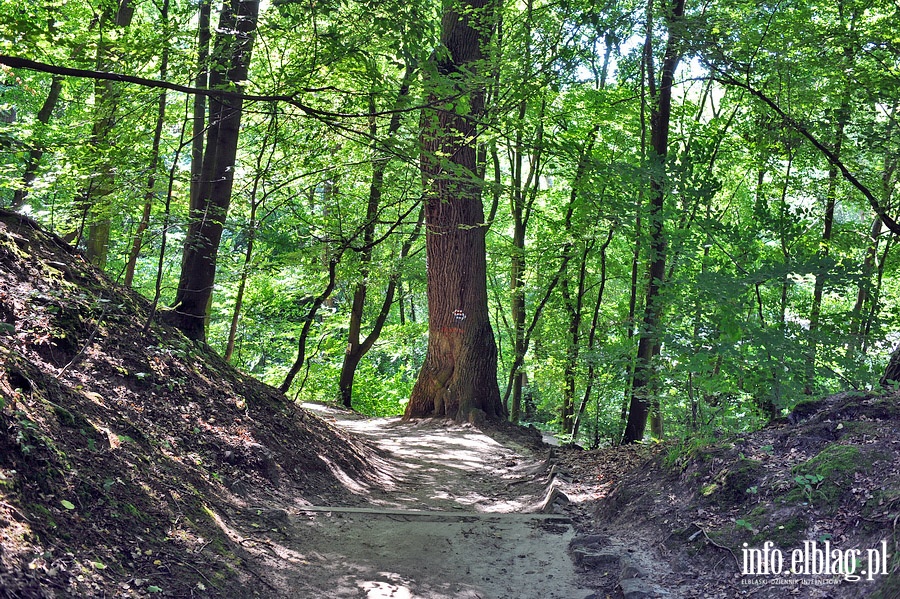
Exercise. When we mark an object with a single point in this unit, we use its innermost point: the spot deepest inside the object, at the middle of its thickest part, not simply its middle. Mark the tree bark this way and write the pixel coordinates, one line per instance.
(35, 154)
(459, 377)
(199, 108)
(592, 335)
(642, 388)
(308, 321)
(233, 46)
(252, 226)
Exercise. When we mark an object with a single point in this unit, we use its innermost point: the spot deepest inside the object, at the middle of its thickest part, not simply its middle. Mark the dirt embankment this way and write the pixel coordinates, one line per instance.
(830, 473)
(125, 453)
(135, 463)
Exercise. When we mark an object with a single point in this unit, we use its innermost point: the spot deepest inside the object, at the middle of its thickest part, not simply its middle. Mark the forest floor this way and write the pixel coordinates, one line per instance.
(134, 463)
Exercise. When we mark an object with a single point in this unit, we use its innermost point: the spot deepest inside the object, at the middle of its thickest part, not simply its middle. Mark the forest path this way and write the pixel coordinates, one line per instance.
(457, 518)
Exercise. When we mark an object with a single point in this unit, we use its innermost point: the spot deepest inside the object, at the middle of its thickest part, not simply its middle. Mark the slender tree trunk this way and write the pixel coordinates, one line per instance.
(199, 109)
(643, 389)
(357, 348)
(353, 358)
(574, 197)
(106, 96)
(592, 336)
(517, 206)
(138, 239)
(252, 225)
(37, 151)
(308, 321)
(824, 247)
(648, 80)
(863, 293)
(866, 293)
(234, 44)
(459, 377)
(875, 303)
(573, 341)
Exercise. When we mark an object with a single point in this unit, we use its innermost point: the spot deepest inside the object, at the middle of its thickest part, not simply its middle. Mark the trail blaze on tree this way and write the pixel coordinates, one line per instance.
(459, 376)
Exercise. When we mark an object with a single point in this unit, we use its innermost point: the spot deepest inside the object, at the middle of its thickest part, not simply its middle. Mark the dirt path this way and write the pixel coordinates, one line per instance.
(457, 518)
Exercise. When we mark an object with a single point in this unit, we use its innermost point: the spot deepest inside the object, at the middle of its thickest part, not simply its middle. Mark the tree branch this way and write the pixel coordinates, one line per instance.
(831, 156)
(292, 99)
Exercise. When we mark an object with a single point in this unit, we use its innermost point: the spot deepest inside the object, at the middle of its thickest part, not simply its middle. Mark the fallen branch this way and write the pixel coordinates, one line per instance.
(714, 544)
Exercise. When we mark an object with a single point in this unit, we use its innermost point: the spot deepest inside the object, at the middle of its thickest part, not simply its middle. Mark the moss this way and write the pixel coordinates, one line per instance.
(707, 490)
(730, 485)
(834, 466)
(784, 534)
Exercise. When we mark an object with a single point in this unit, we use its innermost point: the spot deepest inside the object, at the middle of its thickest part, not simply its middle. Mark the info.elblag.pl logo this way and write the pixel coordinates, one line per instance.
(814, 559)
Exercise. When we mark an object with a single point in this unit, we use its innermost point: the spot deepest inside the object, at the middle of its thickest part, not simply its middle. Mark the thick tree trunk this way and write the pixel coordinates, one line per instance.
(234, 43)
(643, 392)
(459, 377)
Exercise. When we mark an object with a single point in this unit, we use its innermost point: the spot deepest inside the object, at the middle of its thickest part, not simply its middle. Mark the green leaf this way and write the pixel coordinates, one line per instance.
(67, 504)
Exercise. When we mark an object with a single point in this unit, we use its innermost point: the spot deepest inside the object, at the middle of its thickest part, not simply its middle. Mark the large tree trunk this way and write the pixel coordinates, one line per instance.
(644, 381)
(459, 377)
(234, 43)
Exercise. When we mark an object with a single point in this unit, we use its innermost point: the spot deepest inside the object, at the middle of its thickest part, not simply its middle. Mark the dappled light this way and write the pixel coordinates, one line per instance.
(457, 299)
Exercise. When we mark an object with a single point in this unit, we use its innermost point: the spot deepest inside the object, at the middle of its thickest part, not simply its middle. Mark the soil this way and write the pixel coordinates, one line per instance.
(134, 463)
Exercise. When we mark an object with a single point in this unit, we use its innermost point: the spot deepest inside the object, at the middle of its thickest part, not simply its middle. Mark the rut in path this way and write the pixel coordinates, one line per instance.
(458, 518)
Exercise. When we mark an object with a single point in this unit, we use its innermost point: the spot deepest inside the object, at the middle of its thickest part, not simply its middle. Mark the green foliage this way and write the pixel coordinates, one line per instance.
(566, 90)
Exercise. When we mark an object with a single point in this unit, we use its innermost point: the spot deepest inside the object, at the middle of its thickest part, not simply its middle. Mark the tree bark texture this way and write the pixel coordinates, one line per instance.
(649, 344)
(233, 44)
(459, 377)
(138, 239)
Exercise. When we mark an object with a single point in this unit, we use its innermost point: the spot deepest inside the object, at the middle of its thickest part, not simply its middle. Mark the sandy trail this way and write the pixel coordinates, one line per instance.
(457, 519)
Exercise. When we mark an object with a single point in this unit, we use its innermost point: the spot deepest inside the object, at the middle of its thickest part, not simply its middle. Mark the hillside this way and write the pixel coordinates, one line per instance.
(125, 454)
(828, 473)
